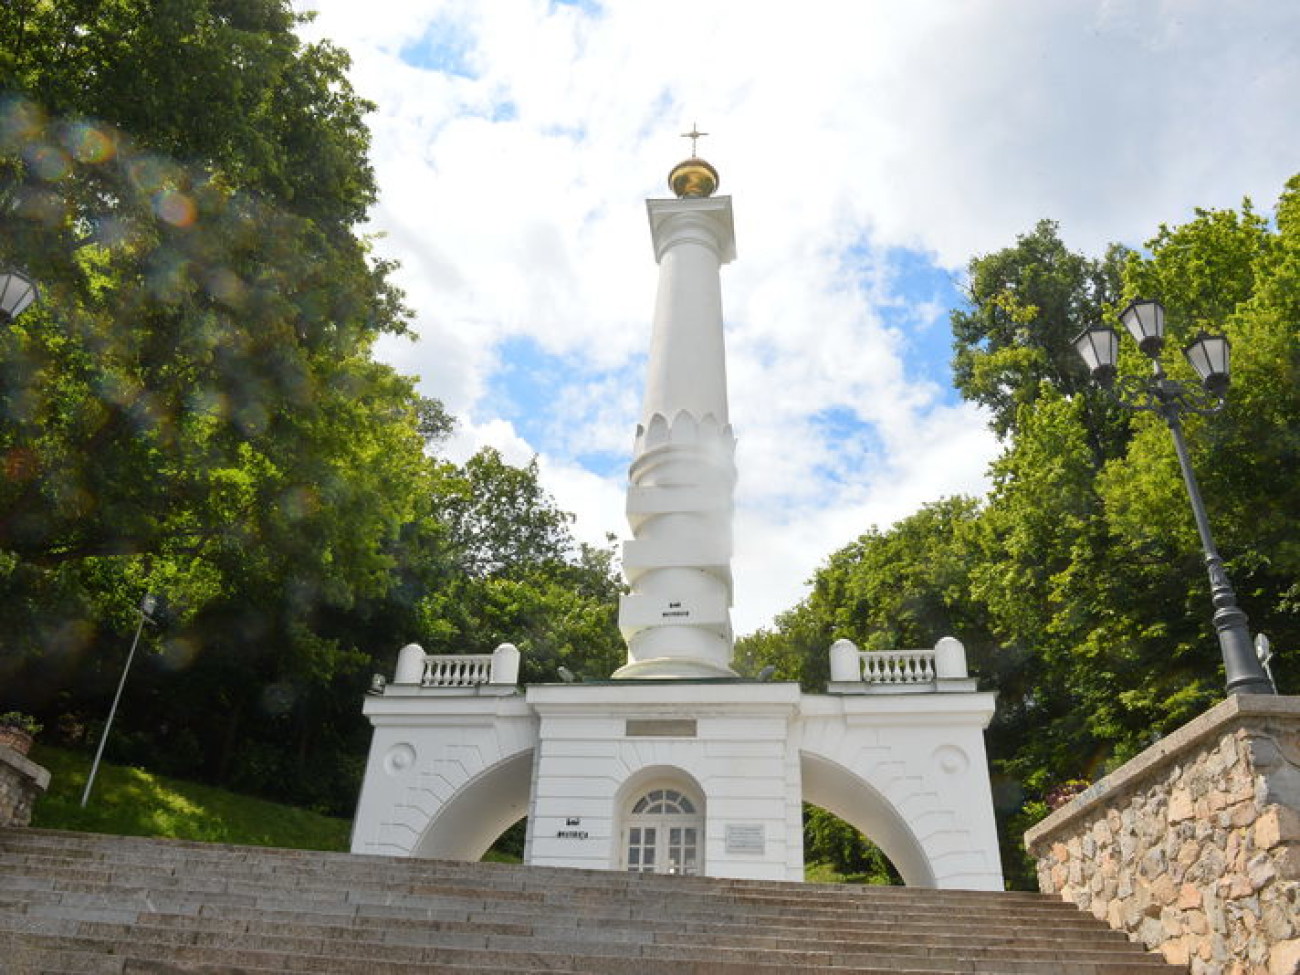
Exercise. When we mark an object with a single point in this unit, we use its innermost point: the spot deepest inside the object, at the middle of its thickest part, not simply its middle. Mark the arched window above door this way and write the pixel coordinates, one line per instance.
(664, 802)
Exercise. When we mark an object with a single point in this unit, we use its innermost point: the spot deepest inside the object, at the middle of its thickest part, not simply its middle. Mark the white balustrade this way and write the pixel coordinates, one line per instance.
(456, 669)
(937, 667)
(898, 666)
(414, 666)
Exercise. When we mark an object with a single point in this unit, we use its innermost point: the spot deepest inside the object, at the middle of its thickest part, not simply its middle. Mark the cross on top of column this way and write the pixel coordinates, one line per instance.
(694, 135)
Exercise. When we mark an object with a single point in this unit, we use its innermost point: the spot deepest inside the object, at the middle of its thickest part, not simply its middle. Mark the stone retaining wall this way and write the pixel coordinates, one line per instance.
(1193, 848)
(22, 782)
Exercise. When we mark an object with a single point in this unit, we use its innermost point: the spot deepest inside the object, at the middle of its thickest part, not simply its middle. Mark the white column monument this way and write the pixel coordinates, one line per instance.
(677, 618)
(679, 765)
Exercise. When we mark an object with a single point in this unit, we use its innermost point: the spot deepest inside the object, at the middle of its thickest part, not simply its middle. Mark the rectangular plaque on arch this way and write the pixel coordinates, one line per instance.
(660, 727)
(746, 838)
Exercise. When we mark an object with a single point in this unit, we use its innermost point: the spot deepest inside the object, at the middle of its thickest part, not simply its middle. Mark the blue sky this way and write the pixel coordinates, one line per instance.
(870, 148)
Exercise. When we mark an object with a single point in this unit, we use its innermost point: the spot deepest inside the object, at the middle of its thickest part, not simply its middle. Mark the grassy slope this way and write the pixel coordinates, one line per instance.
(132, 802)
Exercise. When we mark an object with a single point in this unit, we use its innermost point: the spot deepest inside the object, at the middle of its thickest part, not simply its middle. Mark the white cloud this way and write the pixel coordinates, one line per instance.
(513, 167)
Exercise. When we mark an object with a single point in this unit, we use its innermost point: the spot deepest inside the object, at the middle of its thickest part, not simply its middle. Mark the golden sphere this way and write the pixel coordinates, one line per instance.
(694, 177)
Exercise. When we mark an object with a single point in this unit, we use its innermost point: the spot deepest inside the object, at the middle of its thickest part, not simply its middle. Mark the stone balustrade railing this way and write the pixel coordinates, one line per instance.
(457, 670)
(414, 666)
(898, 666)
(942, 668)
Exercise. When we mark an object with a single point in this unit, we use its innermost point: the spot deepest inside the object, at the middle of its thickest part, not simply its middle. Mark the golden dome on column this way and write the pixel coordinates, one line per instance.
(693, 178)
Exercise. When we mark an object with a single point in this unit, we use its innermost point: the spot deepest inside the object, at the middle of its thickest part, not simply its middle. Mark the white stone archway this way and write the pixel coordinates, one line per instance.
(480, 811)
(856, 801)
(447, 767)
(898, 754)
(909, 771)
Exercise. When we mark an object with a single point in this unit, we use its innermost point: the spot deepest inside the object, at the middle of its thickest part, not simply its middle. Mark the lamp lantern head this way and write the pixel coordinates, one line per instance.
(1208, 355)
(1099, 348)
(1145, 321)
(17, 291)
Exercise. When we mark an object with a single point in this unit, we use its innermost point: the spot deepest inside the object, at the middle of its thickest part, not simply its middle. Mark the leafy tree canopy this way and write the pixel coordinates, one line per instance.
(1026, 304)
(193, 409)
(1079, 583)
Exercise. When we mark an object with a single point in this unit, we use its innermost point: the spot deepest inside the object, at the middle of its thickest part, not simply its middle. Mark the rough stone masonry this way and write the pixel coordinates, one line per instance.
(1193, 847)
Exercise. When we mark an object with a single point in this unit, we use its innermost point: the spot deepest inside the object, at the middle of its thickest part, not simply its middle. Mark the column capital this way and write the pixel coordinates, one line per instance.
(706, 220)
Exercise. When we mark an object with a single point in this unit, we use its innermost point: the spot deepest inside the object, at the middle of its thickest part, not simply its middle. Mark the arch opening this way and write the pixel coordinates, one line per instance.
(836, 851)
(509, 846)
(839, 790)
(481, 810)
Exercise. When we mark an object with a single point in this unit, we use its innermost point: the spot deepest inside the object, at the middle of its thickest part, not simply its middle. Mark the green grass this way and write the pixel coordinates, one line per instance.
(133, 802)
(824, 873)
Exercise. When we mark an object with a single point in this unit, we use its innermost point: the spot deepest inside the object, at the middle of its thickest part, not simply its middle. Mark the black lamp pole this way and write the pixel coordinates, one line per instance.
(1170, 398)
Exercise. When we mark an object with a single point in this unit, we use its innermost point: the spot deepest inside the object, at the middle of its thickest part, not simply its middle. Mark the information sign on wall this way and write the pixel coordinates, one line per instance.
(745, 838)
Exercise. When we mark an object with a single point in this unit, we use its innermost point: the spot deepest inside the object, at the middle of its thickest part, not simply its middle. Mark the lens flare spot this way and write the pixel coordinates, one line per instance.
(226, 287)
(150, 175)
(20, 123)
(299, 502)
(207, 401)
(19, 464)
(251, 418)
(178, 653)
(89, 143)
(69, 638)
(278, 698)
(48, 162)
(175, 208)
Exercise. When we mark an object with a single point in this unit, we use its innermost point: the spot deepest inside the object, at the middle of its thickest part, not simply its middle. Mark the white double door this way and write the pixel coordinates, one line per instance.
(662, 834)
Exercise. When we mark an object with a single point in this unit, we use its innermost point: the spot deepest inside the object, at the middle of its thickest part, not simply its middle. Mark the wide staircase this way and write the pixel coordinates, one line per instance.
(75, 902)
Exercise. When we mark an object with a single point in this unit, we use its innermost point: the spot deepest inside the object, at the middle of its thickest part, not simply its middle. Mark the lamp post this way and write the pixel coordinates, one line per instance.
(17, 291)
(1170, 399)
(146, 607)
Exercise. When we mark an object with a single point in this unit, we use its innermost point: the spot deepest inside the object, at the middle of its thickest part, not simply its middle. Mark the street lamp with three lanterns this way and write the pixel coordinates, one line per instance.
(1171, 399)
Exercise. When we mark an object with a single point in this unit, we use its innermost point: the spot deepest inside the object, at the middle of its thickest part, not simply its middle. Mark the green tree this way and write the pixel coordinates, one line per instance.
(830, 840)
(222, 84)
(1025, 305)
(522, 578)
(906, 586)
(500, 516)
(192, 407)
(1079, 581)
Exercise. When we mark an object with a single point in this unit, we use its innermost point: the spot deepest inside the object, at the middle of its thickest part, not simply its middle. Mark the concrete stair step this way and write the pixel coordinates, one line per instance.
(593, 884)
(230, 958)
(647, 930)
(409, 945)
(686, 900)
(88, 903)
(127, 904)
(137, 852)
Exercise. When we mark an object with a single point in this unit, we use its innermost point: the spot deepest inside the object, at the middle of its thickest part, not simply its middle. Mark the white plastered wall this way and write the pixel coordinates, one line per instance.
(449, 771)
(909, 771)
(729, 741)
